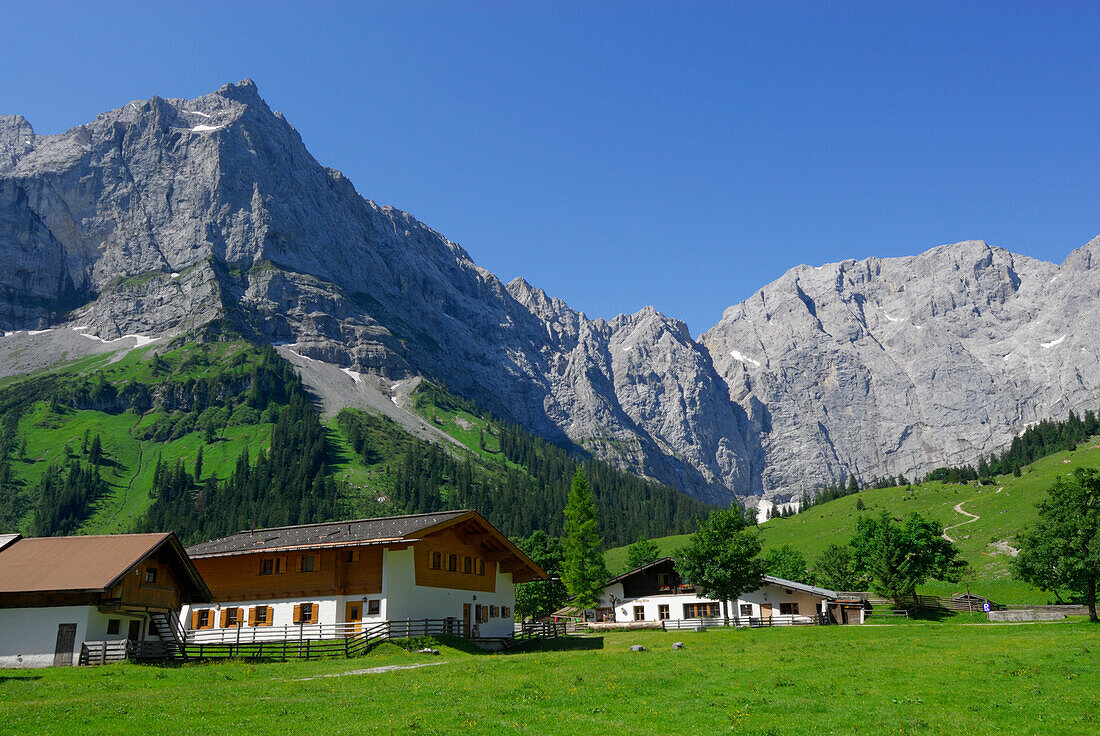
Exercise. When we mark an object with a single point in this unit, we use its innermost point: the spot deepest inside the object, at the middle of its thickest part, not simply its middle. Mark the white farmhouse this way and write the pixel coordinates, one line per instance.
(336, 578)
(655, 593)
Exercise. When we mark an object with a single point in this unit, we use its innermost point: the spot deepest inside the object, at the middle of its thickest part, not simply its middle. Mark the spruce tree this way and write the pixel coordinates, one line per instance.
(584, 571)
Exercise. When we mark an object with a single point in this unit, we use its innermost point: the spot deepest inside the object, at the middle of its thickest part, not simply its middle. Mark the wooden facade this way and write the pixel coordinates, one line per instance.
(260, 575)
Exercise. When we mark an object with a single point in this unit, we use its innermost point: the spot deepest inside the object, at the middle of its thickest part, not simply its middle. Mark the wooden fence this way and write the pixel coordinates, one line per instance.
(744, 621)
(302, 642)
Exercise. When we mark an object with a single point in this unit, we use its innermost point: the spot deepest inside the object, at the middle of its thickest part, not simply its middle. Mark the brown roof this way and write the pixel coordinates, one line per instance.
(360, 532)
(324, 534)
(89, 563)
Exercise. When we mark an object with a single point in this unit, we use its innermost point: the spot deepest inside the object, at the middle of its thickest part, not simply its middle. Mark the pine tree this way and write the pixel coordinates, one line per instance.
(853, 484)
(584, 570)
(198, 466)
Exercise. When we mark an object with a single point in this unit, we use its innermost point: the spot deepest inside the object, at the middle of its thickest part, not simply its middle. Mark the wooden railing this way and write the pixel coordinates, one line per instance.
(744, 621)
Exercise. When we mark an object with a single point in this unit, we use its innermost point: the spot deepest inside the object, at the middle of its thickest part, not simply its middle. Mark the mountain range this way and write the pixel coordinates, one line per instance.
(168, 217)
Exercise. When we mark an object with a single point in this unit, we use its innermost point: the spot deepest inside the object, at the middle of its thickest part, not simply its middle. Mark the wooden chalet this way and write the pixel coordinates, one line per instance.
(332, 579)
(56, 593)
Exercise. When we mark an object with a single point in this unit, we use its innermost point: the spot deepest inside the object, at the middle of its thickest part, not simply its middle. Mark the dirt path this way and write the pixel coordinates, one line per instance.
(964, 512)
(376, 670)
(133, 478)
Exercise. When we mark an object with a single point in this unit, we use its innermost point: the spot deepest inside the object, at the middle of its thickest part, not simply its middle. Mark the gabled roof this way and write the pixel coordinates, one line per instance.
(6, 539)
(811, 589)
(768, 579)
(93, 563)
(385, 530)
(325, 534)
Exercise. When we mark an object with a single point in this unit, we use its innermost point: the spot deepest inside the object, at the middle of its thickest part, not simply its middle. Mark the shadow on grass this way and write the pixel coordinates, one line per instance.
(561, 644)
(18, 678)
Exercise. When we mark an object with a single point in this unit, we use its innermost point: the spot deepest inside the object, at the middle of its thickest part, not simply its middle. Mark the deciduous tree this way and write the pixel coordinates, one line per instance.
(1062, 550)
(642, 552)
(896, 556)
(722, 558)
(788, 563)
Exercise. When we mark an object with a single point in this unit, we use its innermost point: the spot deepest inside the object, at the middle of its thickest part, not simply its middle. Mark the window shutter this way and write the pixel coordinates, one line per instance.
(194, 619)
(252, 616)
(297, 613)
(281, 564)
(223, 618)
(270, 615)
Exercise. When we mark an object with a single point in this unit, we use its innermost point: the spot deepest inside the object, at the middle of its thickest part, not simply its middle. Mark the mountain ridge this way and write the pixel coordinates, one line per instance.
(165, 215)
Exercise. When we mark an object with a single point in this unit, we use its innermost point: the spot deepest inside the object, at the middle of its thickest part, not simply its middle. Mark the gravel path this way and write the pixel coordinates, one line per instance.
(964, 512)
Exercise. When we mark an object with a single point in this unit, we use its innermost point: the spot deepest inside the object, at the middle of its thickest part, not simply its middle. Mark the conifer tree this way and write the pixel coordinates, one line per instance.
(584, 570)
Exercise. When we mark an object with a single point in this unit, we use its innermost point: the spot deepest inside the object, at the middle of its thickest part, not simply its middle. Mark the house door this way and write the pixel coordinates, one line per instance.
(135, 630)
(466, 620)
(353, 617)
(66, 639)
(766, 613)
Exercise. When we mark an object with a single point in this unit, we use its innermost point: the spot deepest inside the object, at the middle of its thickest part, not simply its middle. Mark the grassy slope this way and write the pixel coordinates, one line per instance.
(921, 679)
(1003, 514)
(131, 462)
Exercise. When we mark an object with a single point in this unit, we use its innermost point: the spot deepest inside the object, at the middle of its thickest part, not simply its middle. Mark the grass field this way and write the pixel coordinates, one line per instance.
(919, 679)
(1005, 508)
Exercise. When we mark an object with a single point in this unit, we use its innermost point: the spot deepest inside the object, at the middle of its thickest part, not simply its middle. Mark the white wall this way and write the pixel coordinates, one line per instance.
(28, 636)
(808, 605)
(407, 600)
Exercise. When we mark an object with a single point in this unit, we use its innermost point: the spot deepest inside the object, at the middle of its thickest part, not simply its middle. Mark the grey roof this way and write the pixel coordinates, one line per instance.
(812, 589)
(325, 534)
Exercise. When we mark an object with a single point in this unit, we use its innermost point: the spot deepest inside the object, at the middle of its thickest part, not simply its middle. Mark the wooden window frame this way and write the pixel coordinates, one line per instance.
(374, 607)
(746, 609)
(313, 564)
(663, 612)
(467, 565)
(151, 574)
(116, 624)
(254, 615)
(506, 612)
(788, 609)
(199, 615)
(480, 566)
(639, 613)
(435, 560)
(452, 563)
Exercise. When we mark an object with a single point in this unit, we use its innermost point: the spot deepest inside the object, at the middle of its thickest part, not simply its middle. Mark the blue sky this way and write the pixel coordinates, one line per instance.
(623, 154)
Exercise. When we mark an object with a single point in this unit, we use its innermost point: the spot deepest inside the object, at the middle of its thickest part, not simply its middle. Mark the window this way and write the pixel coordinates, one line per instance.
(113, 625)
(746, 609)
(788, 609)
(150, 574)
(481, 567)
(639, 613)
(271, 566)
(437, 561)
(452, 563)
(662, 612)
(309, 563)
(505, 612)
(701, 610)
(468, 565)
(305, 613)
(232, 617)
(353, 555)
(260, 616)
(664, 580)
(374, 607)
(494, 612)
(203, 619)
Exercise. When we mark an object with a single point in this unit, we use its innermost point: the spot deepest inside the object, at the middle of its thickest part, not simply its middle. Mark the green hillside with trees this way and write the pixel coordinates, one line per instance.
(1004, 504)
(207, 437)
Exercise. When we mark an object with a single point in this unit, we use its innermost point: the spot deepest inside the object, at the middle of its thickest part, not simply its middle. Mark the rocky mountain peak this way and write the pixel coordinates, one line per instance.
(166, 215)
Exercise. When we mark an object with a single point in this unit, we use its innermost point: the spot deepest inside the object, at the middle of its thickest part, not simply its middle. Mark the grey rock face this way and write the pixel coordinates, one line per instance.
(897, 366)
(166, 215)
